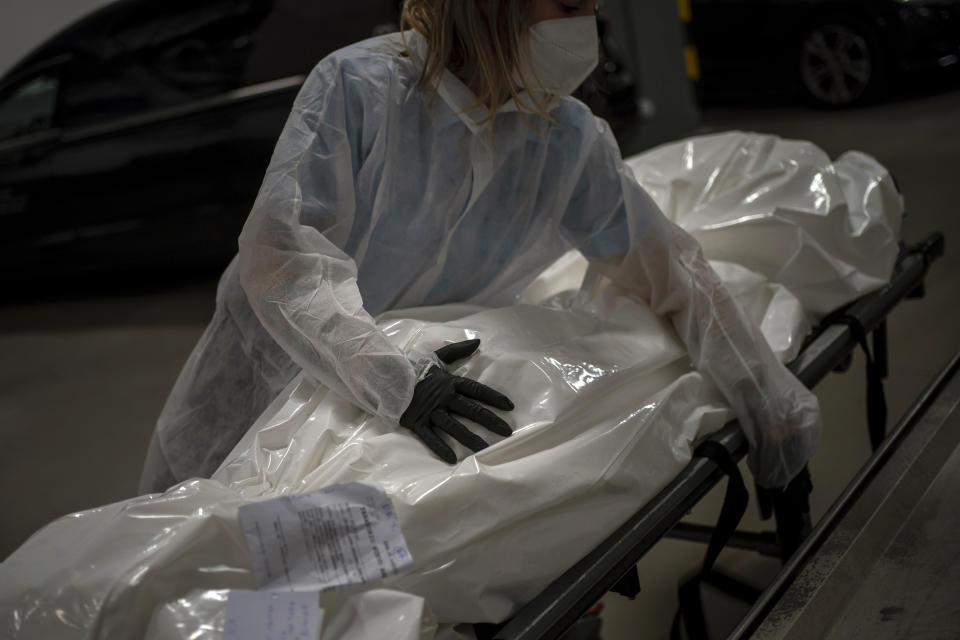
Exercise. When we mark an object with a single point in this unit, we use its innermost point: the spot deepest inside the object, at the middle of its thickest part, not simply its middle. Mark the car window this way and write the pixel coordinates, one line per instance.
(195, 49)
(98, 92)
(200, 65)
(29, 107)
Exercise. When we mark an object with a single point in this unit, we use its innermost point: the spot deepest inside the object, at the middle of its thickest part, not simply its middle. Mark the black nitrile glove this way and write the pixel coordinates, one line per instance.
(440, 394)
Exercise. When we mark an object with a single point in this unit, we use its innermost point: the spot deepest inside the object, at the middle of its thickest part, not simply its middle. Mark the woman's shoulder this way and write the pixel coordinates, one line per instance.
(575, 120)
(571, 112)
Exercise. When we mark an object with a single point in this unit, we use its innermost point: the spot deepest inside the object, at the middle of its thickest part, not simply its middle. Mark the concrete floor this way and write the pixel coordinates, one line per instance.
(82, 379)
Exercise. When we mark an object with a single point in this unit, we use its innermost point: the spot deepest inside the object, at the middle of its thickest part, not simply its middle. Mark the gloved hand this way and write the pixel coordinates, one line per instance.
(440, 394)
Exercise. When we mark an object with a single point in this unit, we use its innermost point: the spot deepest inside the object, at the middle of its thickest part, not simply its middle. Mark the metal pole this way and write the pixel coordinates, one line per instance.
(652, 37)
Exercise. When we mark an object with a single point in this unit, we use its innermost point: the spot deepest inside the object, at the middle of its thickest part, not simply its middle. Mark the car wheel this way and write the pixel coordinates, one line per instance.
(839, 63)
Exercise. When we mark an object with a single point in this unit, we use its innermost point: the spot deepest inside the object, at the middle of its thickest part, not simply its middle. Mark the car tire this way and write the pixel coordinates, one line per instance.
(840, 63)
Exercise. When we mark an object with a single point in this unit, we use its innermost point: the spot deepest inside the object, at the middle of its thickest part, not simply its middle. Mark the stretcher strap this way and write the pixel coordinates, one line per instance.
(628, 585)
(792, 509)
(876, 398)
(734, 505)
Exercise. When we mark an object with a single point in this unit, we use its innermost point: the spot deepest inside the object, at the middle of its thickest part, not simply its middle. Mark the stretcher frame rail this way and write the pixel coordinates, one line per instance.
(571, 595)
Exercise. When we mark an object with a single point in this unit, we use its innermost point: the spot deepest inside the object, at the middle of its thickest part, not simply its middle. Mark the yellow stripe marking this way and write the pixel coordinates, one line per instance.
(693, 62)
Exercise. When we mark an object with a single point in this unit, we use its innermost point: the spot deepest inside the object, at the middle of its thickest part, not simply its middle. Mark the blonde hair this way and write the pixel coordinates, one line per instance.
(483, 50)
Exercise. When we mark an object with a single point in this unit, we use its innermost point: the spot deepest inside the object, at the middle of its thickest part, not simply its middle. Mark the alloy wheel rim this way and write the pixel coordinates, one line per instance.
(835, 64)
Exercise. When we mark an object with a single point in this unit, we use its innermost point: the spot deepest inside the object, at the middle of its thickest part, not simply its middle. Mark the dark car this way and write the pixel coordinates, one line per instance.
(837, 52)
(138, 137)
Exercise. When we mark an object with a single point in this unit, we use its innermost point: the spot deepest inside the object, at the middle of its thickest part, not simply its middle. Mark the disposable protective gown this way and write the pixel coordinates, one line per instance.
(383, 195)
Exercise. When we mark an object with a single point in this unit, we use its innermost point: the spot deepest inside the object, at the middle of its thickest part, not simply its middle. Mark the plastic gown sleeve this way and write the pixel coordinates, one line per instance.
(300, 283)
(617, 225)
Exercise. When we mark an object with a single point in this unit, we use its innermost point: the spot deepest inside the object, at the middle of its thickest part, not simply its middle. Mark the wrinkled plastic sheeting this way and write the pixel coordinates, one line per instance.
(770, 305)
(607, 406)
(826, 230)
(607, 409)
(378, 613)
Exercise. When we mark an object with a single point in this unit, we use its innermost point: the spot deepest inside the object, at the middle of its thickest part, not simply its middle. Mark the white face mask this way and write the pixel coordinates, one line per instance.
(563, 52)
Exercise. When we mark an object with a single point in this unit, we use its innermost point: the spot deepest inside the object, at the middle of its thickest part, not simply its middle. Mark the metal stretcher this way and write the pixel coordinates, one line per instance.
(611, 566)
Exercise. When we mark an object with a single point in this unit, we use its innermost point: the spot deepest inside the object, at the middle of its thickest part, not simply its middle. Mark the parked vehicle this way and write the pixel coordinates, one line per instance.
(836, 52)
(138, 137)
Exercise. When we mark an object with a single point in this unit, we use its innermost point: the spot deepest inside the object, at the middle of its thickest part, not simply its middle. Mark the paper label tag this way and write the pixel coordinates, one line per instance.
(342, 535)
(271, 615)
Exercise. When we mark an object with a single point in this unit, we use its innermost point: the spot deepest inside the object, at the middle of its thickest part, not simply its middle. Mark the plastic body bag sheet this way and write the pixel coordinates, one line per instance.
(378, 613)
(828, 231)
(607, 407)
(611, 406)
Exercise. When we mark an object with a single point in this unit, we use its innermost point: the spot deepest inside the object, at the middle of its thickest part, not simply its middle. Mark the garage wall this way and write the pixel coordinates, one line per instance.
(24, 24)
